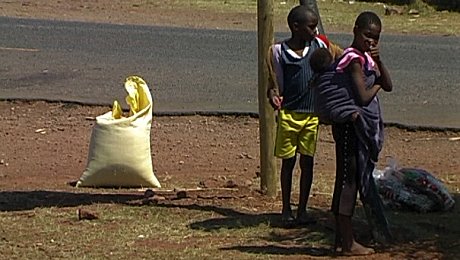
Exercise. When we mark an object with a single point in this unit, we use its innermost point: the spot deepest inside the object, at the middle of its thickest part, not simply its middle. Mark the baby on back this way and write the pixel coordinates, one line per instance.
(334, 102)
(321, 60)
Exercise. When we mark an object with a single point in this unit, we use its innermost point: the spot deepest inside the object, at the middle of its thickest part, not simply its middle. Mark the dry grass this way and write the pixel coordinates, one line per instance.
(337, 15)
(201, 229)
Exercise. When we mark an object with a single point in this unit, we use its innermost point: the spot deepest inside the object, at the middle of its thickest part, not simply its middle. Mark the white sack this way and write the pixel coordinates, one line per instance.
(119, 152)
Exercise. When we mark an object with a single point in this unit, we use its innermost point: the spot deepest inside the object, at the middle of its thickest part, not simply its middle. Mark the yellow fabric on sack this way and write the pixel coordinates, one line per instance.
(117, 111)
(119, 152)
(137, 98)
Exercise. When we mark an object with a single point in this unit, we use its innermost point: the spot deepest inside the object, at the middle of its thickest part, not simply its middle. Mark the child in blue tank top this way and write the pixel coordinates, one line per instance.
(290, 95)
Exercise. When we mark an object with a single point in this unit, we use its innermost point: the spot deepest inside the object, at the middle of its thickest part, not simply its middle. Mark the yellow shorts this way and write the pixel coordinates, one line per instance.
(297, 132)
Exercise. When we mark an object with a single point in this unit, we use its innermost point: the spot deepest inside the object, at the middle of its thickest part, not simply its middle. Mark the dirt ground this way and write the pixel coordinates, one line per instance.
(130, 12)
(44, 146)
(42, 140)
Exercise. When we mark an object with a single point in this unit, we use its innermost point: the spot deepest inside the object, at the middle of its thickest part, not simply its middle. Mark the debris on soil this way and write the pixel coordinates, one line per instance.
(83, 214)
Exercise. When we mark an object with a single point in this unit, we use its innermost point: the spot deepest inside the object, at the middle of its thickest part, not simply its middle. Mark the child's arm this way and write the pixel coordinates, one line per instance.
(273, 91)
(365, 95)
(384, 80)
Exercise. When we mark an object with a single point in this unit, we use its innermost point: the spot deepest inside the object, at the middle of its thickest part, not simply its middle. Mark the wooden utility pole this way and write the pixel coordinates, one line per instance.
(268, 168)
(312, 5)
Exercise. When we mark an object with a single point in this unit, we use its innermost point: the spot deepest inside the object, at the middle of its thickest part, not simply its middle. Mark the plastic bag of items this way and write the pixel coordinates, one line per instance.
(413, 189)
(119, 151)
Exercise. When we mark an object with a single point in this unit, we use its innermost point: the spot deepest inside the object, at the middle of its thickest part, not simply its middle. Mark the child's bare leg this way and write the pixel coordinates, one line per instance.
(349, 244)
(338, 235)
(306, 179)
(287, 167)
(345, 191)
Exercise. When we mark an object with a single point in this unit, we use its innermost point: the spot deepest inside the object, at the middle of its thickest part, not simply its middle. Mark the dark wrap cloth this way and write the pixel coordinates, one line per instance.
(335, 102)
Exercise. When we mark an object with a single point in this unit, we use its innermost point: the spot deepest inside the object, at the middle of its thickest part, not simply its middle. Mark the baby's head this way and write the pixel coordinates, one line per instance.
(320, 60)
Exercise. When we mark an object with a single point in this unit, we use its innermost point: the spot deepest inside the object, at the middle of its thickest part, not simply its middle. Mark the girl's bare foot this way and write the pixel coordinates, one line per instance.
(357, 249)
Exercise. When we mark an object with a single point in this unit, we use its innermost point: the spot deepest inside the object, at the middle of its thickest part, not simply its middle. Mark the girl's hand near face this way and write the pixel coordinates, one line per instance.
(374, 50)
(384, 79)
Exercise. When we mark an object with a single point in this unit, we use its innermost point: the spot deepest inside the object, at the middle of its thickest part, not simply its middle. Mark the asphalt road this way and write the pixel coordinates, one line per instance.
(203, 70)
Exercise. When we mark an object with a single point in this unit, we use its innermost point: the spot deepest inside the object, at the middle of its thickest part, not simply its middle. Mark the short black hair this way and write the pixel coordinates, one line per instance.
(300, 14)
(367, 18)
(320, 60)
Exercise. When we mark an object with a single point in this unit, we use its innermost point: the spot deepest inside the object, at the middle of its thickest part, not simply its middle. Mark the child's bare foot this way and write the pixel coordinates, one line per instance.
(304, 219)
(337, 250)
(357, 249)
(287, 219)
(337, 245)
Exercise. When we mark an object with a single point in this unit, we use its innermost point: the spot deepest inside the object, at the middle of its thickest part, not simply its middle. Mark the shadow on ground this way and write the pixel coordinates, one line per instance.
(426, 232)
(28, 200)
(284, 239)
(415, 234)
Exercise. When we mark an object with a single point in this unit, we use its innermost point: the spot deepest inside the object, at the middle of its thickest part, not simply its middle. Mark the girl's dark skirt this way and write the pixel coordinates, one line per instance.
(346, 178)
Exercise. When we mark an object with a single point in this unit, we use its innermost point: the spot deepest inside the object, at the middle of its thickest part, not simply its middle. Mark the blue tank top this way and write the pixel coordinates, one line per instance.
(297, 95)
